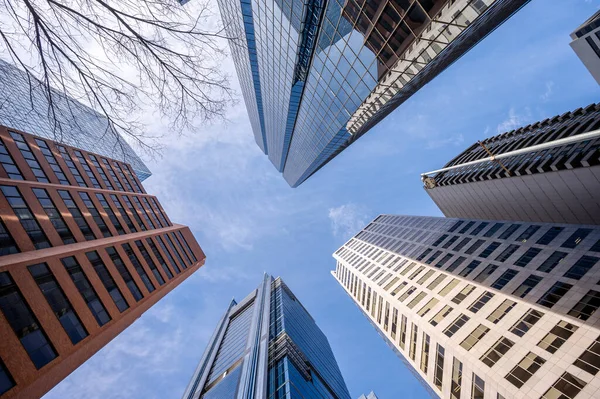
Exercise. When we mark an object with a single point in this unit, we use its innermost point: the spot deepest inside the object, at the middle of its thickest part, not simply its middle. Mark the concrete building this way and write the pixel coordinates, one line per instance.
(316, 75)
(586, 44)
(84, 252)
(369, 396)
(548, 171)
(482, 308)
(267, 346)
(24, 106)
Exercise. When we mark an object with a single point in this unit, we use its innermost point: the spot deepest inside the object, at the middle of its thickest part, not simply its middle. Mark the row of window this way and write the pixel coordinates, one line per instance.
(152, 213)
(567, 384)
(91, 168)
(26, 326)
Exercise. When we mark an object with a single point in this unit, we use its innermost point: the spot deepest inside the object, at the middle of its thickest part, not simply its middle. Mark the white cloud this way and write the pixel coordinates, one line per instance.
(454, 141)
(347, 220)
(515, 120)
(548, 93)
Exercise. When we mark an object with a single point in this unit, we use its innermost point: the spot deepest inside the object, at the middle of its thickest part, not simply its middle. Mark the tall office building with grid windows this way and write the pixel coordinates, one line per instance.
(267, 346)
(84, 251)
(586, 44)
(479, 308)
(318, 74)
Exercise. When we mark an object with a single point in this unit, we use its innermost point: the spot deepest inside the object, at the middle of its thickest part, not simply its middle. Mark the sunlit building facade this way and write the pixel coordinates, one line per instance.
(318, 74)
(586, 44)
(84, 252)
(267, 346)
(480, 308)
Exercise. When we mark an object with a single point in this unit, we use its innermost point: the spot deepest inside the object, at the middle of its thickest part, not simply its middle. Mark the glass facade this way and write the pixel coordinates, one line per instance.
(316, 75)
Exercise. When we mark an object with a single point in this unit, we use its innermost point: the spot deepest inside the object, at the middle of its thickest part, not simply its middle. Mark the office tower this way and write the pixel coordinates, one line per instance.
(480, 308)
(267, 346)
(586, 44)
(369, 396)
(548, 171)
(317, 74)
(84, 251)
(25, 107)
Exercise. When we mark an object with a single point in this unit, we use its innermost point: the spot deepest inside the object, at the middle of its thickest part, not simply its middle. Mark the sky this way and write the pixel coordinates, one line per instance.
(249, 221)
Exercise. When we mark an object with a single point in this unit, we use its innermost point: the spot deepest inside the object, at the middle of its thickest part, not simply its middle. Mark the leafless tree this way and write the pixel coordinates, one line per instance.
(122, 58)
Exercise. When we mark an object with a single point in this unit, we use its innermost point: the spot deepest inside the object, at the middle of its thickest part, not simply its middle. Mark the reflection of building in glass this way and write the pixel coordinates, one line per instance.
(548, 171)
(318, 74)
(482, 308)
(586, 43)
(267, 346)
(82, 127)
(84, 252)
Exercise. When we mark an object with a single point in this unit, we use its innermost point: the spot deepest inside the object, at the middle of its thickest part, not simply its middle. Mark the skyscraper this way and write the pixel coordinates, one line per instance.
(316, 75)
(25, 107)
(267, 346)
(84, 252)
(482, 308)
(586, 44)
(548, 171)
(369, 396)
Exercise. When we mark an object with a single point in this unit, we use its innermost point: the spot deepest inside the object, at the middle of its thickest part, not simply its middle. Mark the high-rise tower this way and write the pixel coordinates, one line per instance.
(84, 251)
(481, 308)
(586, 44)
(317, 74)
(548, 171)
(267, 346)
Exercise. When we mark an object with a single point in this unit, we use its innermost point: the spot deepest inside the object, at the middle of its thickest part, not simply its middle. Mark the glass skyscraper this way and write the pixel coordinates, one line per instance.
(267, 346)
(318, 74)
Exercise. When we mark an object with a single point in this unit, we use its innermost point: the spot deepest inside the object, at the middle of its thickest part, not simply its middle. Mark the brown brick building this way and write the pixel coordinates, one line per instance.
(84, 251)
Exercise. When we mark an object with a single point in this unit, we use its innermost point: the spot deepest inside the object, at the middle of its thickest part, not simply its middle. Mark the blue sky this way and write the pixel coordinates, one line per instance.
(249, 221)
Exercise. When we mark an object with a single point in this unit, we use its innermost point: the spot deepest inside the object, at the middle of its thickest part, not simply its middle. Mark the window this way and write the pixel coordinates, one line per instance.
(529, 231)
(144, 212)
(407, 294)
(152, 213)
(398, 289)
(440, 240)
(8, 163)
(33, 163)
(150, 262)
(576, 238)
(463, 294)
(456, 325)
(107, 280)
(509, 231)
(478, 387)
(24, 323)
(175, 251)
(440, 315)
(481, 301)
(590, 358)
(416, 300)
(86, 290)
(596, 247)
(112, 174)
(455, 226)
(493, 229)
(479, 332)
(86, 168)
(501, 311)
(58, 302)
(526, 322)
(123, 213)
(124, 272)
(581, 267)
(433, 257)
(182, 238)
(122, 176)
(60, 175)
(6, 380)
(109, 212)
(461, 244)
(424, 277)
(527, 285)
(559, 334)
(523, 371)
(527, 257)
(449, 287)
(451, 241)
(138, 267)
(8, 245)
(566, 387)
(402, 331)
(171, 260)
(87, 232)
(425, 354)
(413, 341)
(444, 260)
(408, 268)
(496, 352)
(25, 216)
(466, 227)
(100, 171)
(95, 215)
(586, 305)
(436, 281)
(469, 268)
(508, 251)
(416, 272)
(71, 165)
(552, 261)
(474, 247)
(394, 322)
(479, 228)
(438, 375)
(485, 273)
(553, 295)
(456, 379)
(134, 212)
(54, 215)
(504, 279)
(489, 250)
(427, 308)
(457, 262)
(549, 235)
(424, 254)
